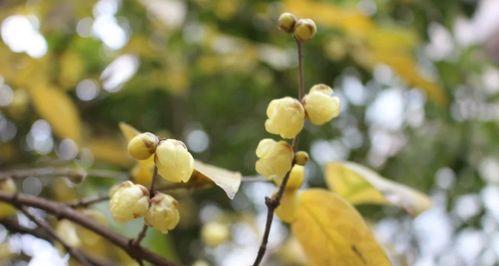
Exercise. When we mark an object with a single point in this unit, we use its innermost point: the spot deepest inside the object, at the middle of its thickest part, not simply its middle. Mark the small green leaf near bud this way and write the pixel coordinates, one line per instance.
(287, 22)
(305, 29)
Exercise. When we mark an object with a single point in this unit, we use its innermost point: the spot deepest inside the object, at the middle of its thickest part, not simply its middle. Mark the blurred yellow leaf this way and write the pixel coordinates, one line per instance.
(109, 150)
(229, 181)
(332, 232)
(358, 184)
(143, 171)
(7, 210)
(71, 67)
(56, 107)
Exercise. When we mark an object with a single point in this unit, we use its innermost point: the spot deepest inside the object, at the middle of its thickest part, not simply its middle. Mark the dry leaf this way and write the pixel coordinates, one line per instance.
(56, 107)
(229, 181)
(109, 150)
(128, 131)
(358, 184)
(332, 232)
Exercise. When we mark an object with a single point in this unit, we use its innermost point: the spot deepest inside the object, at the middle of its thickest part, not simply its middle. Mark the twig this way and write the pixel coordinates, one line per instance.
(301, 88)
(142, 234)
(42, 224)
(273, 202)
(62, 211)
(85, 202)
(61, 171)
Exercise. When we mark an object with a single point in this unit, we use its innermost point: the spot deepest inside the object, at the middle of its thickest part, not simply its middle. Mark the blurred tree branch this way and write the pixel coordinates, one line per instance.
(62, 211)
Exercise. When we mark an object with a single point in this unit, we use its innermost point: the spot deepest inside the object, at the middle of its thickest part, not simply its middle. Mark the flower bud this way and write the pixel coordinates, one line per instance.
(289, 204)
(214, 233)
(66, 230)
(286, 22)
(275, 158)
(143, 145)
(295, 179)
(301, 157)
(129, 201)
(320, 105)
(163, 214)
(305, 29)
(174, 162)
(286, 117)
(7, 186)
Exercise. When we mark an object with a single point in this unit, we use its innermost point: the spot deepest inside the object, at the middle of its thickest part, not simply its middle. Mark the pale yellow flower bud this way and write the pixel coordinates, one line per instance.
(288, 207)
(66, 230)
(174, 162)
(7, 186)
(301, 157)
(295, 180)
(275, 158)
(129, 201)
(163, 214)
(286, 117)
(214, 233)
(286, 22)
(320, 105)
(305, 29)
(143, 145)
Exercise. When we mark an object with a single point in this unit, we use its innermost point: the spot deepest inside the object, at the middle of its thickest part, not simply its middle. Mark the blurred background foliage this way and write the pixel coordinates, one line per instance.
(419, 83)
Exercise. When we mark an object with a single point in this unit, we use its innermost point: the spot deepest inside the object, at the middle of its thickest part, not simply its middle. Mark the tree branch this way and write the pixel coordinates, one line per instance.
(61, 171)
(62, 211)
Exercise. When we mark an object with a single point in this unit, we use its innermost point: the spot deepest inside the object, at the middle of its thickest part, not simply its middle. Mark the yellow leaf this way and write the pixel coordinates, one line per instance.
(57, 108)
(358, 184)
(332, 232)
(109, 150)
(128, 131)
(143, 171)
(229, 181)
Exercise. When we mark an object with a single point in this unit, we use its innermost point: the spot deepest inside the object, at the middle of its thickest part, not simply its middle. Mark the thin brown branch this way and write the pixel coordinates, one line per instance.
(142, 234)
(301, 83)
(85, 202)
(61, 171)
(62, 211)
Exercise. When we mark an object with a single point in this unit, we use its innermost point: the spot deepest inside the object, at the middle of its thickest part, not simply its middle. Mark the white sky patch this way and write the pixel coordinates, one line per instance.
(119, 71)
(105, 25)
(481, 26)
(21, 34)
(107, 29)
(387, 110)
(441, 42)
(170, 12)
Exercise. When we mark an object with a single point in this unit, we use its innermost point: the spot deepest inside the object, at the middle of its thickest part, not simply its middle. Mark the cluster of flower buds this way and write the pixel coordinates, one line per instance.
(303, 29)
(286, 117)
(130, 201)
(174, 162)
